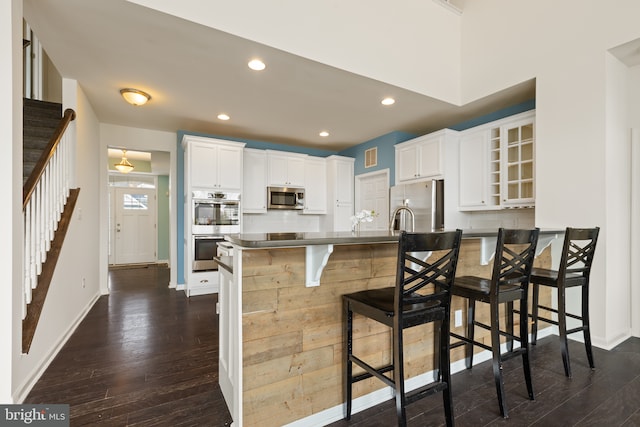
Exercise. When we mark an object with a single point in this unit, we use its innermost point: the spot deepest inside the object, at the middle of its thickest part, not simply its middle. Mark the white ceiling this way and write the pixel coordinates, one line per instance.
(193, 73)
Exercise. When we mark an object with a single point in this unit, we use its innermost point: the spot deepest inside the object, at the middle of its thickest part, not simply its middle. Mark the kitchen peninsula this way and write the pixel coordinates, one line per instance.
(281, 320)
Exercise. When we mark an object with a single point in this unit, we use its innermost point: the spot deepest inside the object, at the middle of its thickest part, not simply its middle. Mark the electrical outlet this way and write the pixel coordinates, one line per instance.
(457, 318)
(84, 283)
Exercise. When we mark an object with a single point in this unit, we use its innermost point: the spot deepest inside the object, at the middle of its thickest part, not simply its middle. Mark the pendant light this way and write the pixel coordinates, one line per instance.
(124, 166)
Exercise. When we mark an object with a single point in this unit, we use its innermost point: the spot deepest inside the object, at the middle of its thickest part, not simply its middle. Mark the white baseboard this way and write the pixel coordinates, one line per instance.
(377, 397)
(23, 390)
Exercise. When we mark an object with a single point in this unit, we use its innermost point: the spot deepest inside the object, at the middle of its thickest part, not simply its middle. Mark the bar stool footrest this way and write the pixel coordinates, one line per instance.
(372, 372)
(425, 391)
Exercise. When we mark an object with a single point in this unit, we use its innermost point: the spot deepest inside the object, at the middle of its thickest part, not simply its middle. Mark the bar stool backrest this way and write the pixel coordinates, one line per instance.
(513, 261)
(426, 268)
(577, 253)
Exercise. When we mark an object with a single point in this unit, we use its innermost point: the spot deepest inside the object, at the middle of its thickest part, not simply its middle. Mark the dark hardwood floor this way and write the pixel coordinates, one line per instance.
(147, 356)
(144, 356)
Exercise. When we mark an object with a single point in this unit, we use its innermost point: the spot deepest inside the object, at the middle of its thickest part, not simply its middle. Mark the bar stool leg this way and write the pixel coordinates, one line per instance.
(534, 314)
(471, 317)
(497, 362)
(444, 369)
(347, 350)
(585, 325)
(398, 377)
(524, 343)
(562, 330)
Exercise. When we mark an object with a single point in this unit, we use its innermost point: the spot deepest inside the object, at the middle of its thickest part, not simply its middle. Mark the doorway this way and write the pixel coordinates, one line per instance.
(133, 225)
(372, 193)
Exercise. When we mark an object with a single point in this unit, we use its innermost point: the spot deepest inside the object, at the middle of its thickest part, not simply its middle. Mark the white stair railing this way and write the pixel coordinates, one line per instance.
(43, 204)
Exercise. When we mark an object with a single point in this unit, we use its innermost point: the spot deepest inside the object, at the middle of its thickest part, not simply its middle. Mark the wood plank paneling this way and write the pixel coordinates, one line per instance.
(292, 335)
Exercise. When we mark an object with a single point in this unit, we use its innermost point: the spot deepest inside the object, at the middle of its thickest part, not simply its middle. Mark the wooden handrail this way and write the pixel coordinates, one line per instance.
(38, 170)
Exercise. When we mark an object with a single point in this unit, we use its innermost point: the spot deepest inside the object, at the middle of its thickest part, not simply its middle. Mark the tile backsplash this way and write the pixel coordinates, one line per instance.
(280, 221)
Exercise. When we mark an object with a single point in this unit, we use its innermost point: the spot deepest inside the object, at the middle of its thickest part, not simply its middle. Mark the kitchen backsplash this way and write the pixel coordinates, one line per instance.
(507, 218)
(280, 221)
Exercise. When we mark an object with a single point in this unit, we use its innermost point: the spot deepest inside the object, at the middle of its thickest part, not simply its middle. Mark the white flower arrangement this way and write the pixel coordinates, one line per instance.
(362, 216)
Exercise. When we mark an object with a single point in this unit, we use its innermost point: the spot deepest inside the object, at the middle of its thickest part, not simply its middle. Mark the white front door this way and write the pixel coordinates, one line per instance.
(372, 193)
(135, 225)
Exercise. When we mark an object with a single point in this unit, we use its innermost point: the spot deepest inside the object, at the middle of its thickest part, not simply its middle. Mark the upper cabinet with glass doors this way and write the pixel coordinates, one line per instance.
(517, 185)
(497, 164)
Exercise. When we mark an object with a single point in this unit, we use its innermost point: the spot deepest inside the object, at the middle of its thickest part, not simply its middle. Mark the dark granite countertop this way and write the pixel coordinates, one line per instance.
(277, 240)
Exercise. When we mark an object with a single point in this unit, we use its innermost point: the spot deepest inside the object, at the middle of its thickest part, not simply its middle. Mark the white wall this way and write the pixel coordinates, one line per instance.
(10, 190)
(618, 195)
(634, 118)
(413, 44)
(143, 140)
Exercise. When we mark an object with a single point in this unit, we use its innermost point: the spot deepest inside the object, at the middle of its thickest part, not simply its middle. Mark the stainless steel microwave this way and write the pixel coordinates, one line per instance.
(285, 198)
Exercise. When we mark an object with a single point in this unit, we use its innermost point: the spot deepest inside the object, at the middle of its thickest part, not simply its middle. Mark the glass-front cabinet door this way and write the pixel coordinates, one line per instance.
(517, 185)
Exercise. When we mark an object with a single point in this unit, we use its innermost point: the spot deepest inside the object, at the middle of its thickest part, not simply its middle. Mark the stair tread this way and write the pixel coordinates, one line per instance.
(40, 120)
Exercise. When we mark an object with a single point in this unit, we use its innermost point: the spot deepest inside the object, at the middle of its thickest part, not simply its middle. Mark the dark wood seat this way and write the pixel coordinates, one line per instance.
(574, 271)
(422, 294)
(512, 264)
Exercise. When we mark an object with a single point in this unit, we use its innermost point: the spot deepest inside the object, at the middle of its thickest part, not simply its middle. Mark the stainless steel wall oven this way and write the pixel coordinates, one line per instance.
(204, 249)
(215, 213)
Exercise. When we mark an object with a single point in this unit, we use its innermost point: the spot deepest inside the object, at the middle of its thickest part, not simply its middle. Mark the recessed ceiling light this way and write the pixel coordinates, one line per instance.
(388, 101)
(257, 65)
(223, 116)
(324, 133)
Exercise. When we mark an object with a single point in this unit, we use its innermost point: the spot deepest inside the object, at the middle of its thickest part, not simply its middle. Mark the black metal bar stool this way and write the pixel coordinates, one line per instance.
(574, 270)
(422, 294)
(515, 252)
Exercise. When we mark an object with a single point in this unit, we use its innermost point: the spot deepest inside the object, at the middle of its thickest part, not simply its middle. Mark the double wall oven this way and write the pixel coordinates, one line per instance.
(214, 214)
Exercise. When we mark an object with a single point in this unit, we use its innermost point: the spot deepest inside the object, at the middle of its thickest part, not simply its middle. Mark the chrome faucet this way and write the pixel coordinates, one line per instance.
(392, 222)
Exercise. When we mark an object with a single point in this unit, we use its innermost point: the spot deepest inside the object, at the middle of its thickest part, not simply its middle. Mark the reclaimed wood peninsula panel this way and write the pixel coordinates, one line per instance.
(292, 334)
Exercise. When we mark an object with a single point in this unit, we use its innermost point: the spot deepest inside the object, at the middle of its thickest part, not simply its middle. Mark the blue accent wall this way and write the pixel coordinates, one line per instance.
(163, 217)
(496, 115)
(386, 153)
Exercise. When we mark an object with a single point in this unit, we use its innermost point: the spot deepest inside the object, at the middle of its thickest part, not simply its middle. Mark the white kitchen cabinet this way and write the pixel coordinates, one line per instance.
(420, 158)
(229, 302)
(340, 177)
(315, 186)
(212, 163)
(496, 164)
(201, 282)
(209, 164)
(285, 169)
(473, 167)
(254, 189)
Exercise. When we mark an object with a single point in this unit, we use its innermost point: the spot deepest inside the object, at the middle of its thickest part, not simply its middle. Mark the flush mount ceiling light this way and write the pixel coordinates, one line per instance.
(124, 166)
(256, 65)
(324, 134)
(223, 116)
(388, 101)
(134, 96)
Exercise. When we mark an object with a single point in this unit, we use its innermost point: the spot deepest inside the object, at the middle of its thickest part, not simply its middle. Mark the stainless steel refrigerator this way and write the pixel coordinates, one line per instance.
(424, 199)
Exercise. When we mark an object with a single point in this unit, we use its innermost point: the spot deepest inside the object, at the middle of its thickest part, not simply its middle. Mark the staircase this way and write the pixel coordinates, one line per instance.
(48, 202)
(40, 120)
